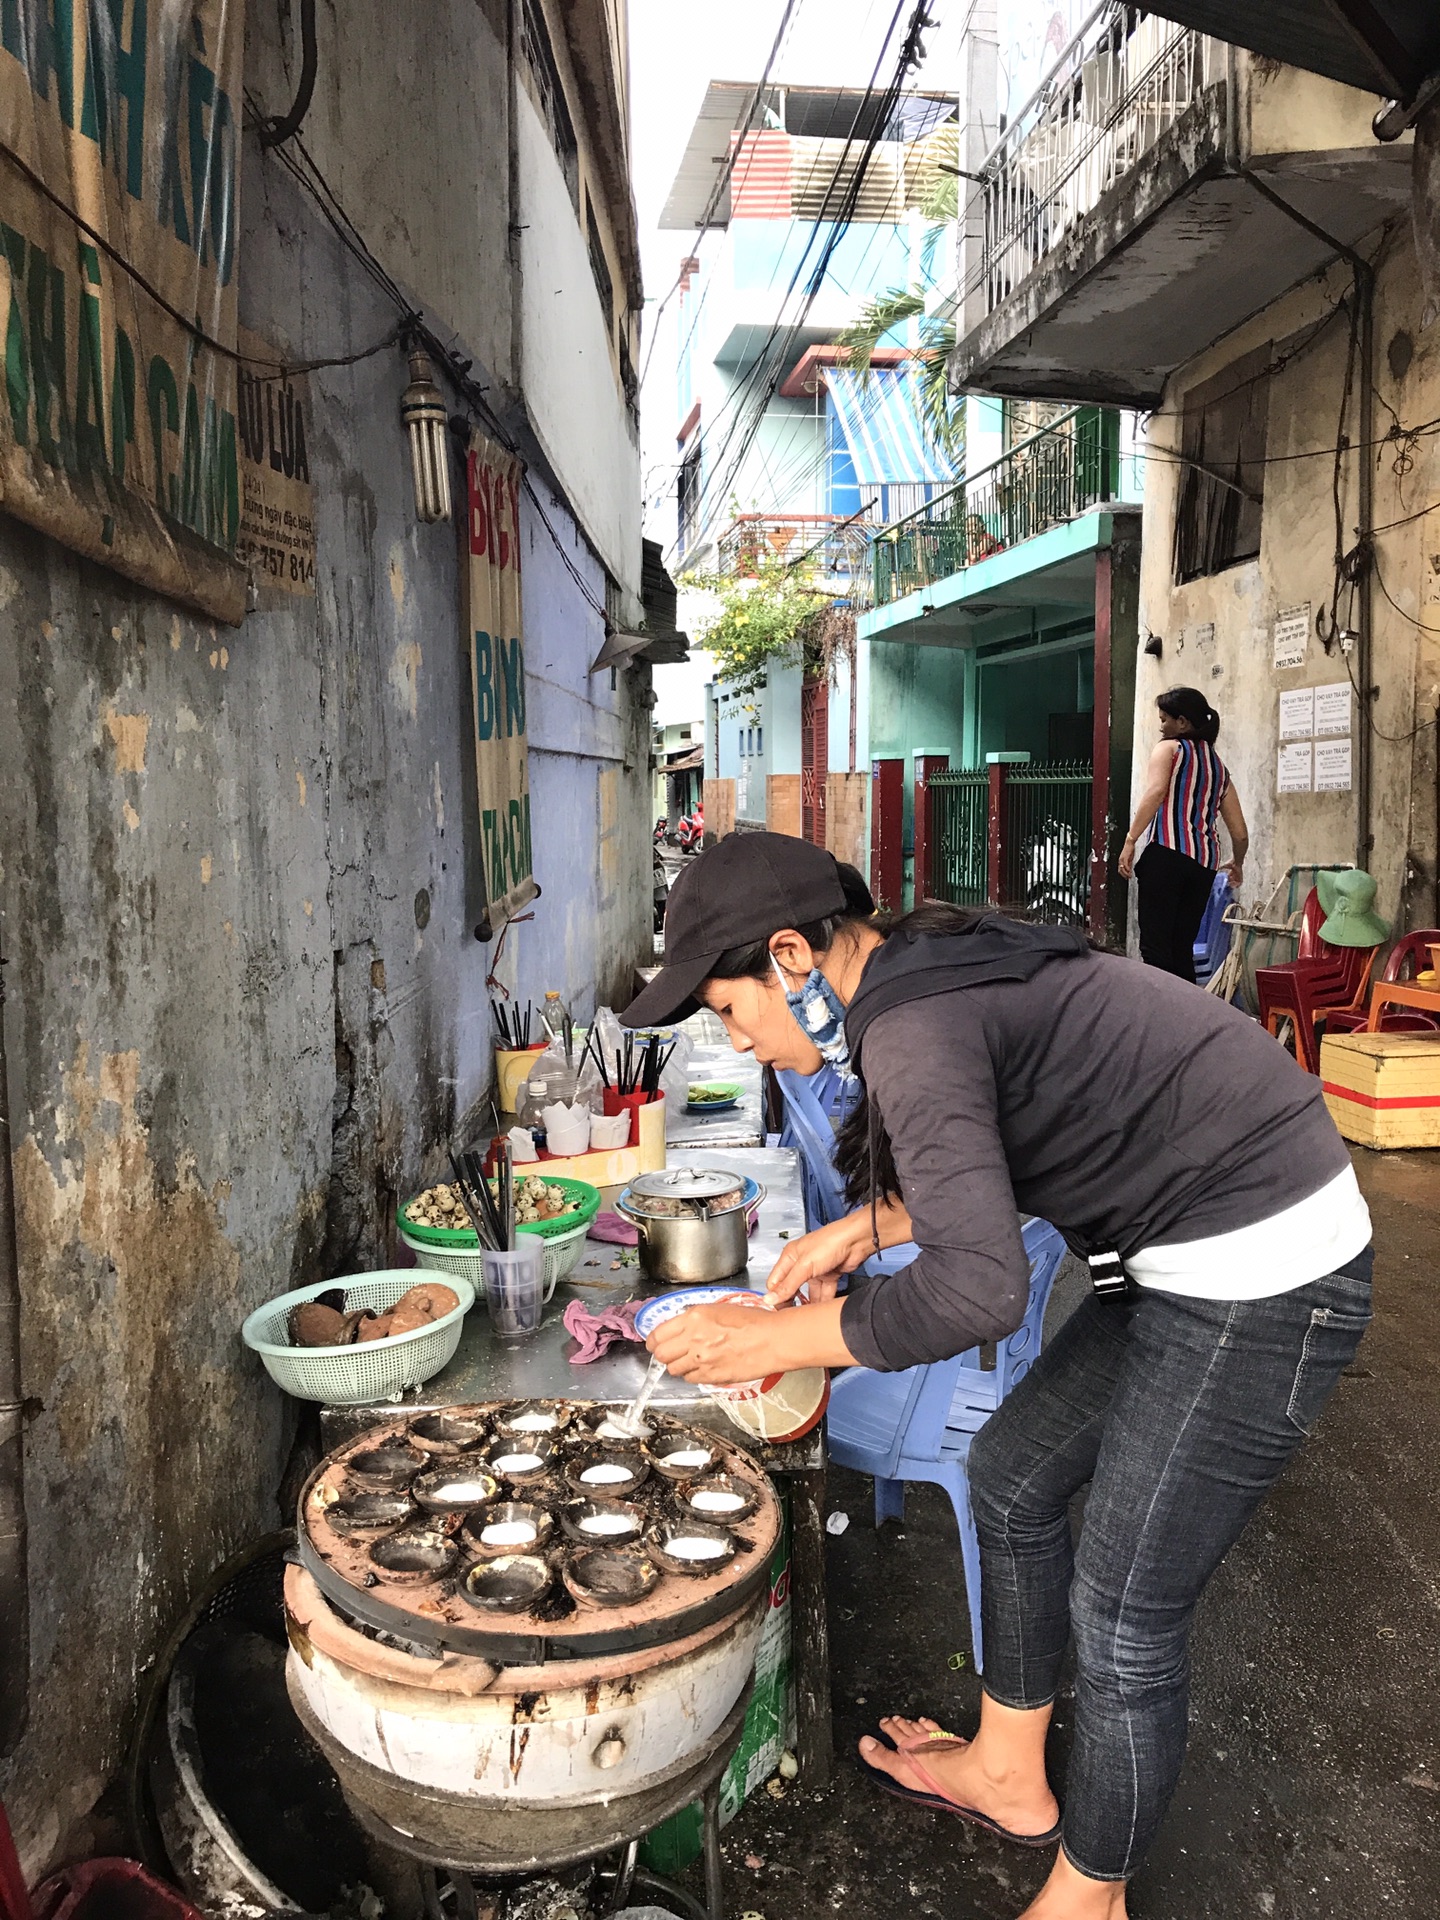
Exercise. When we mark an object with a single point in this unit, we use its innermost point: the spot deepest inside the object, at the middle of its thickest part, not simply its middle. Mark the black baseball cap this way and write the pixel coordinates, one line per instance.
(745, 888)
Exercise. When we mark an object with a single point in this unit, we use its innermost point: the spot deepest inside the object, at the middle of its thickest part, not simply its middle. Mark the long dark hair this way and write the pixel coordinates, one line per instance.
(1189, 704)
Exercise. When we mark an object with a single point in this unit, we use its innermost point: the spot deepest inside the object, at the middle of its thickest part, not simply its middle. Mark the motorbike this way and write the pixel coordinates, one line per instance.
(690, 833)
(662, 831)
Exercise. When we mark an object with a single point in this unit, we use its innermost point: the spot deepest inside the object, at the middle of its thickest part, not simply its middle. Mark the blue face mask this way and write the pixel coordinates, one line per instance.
(818, 1009)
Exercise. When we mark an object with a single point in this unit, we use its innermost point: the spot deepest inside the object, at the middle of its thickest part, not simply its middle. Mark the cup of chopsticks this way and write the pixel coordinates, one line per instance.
(638, 1065)
(512, 1265)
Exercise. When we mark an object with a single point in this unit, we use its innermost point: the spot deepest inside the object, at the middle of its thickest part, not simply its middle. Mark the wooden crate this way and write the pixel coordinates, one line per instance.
(1383, 1089)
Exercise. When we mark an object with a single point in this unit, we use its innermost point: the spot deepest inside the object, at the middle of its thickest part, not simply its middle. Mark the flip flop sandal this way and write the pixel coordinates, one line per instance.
(936, 1800)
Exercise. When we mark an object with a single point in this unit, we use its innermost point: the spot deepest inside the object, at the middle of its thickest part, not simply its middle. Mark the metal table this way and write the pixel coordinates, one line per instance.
(539, 1368)
(713, 1058)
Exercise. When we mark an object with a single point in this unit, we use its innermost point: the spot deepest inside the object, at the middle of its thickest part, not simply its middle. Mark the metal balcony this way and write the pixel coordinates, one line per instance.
(833, 549)
(1064, 470)
(1136, 209)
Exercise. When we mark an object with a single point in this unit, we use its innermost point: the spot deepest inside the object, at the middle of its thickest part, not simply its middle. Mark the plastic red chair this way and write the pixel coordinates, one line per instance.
(1320, 980)
(1407, 958)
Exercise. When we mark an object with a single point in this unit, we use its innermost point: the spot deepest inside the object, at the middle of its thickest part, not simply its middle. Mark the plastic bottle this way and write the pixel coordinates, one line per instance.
(553, 1015)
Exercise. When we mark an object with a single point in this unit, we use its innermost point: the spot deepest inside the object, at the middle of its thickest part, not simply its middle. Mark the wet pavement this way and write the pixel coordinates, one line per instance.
(1312, 1786)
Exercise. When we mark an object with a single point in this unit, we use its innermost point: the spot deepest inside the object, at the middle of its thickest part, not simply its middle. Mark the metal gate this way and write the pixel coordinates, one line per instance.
(1046, 840)
(814, 757)
(1014, 836)
(959, 829)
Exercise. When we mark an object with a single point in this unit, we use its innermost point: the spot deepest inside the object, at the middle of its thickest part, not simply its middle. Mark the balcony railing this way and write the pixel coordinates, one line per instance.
(834, 549)
(1069, 467)
(1123, 80)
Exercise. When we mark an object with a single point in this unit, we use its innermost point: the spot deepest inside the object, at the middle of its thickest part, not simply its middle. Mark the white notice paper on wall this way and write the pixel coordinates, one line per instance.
(1332, 766)
(1292, 635)
(1293, 771)
(1332, 707)
(1297, 713)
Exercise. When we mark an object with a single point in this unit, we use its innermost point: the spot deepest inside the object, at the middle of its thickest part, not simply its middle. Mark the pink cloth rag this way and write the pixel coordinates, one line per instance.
(596, 1333)
(614, 1231)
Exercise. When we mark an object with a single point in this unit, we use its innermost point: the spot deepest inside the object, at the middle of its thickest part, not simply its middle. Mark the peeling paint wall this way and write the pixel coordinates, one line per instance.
(246, 1009)
(1235, 668)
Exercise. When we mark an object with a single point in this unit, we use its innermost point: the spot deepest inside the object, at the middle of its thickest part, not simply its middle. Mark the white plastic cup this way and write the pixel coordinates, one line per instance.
(515, 1288)
(610, 1129)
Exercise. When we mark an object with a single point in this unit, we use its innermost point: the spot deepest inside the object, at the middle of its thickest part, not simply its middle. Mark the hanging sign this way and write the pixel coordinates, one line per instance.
(119, 219)
(277, 501)
(496, 646)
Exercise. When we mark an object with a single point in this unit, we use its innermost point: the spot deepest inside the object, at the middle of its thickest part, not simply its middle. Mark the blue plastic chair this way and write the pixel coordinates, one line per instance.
(811, 1106)
(918, 1425)
(1212, 942)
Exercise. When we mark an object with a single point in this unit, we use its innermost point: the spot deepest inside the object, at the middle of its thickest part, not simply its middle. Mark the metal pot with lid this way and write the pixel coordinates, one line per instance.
(692, 1224)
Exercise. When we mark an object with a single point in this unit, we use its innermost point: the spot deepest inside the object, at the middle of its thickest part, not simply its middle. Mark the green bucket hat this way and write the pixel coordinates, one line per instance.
(1348, 898)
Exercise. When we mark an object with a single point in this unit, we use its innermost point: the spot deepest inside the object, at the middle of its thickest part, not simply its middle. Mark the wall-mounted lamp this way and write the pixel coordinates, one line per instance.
(1154, 646)
(422, 408)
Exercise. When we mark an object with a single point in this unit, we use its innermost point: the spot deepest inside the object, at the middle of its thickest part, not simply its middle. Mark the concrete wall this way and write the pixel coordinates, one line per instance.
(1295, 566)
(246, 1008)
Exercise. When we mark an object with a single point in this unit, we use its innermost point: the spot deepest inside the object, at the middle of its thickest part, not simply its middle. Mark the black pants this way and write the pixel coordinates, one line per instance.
(1174, 893)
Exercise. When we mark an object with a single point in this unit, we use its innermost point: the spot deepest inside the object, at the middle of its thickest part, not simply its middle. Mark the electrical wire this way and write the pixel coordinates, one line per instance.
(910, 54)
(722, 180)
(308, 174)
(277, 367)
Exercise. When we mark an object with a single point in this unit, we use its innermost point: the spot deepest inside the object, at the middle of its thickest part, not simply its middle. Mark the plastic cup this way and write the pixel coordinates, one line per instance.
(610, 1129)
(628, 1103)
(515, 1288)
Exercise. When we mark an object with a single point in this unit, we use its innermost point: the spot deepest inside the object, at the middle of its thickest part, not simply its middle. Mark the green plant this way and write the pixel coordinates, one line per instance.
(766, 619)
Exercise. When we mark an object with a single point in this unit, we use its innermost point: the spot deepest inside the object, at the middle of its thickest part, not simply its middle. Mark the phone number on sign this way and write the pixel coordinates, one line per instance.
(279, 564)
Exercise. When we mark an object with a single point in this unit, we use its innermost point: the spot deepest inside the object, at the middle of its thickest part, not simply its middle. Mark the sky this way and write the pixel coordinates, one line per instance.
(677, 47)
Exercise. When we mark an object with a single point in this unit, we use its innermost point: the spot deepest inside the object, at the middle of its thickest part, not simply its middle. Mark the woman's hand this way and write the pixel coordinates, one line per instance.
(1235, 869)
(1125, 865)
(719, 1345)
(818, 1259)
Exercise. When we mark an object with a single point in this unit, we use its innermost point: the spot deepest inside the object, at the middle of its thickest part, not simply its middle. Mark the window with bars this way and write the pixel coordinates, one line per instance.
(549, 94)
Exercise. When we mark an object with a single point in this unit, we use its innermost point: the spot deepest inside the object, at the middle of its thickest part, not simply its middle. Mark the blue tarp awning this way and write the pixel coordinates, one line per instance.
(881, 424)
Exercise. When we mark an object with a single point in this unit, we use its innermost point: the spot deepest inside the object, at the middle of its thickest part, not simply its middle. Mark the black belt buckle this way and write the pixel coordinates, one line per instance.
(1108, 1277)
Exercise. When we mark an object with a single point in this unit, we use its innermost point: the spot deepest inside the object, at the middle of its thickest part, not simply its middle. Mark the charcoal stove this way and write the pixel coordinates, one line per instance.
(501, 1714)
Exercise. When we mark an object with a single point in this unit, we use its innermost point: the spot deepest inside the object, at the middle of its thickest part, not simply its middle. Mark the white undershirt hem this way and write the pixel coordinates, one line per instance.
(1289, 1250)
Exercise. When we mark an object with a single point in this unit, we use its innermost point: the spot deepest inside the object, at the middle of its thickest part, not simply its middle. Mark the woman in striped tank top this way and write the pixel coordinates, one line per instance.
(1187, 791)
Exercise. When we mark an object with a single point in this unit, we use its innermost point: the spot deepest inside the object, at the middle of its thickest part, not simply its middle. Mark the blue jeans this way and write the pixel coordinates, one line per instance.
(1181, 1414)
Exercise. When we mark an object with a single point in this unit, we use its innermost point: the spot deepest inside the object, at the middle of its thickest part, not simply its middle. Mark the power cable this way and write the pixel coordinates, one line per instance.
(910, 53)
(722, 180)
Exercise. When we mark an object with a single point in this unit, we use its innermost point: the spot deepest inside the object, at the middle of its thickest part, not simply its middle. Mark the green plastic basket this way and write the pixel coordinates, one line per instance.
(464, 1241)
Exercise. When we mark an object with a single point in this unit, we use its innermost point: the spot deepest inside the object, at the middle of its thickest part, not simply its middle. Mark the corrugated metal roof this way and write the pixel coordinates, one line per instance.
(809, 113)
(1383, 46)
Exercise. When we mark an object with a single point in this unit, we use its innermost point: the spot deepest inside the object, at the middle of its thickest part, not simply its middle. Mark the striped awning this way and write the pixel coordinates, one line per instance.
(881, 424)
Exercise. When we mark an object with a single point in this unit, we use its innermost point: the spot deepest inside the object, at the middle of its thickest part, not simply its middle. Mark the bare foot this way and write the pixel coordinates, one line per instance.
(1017, 1801)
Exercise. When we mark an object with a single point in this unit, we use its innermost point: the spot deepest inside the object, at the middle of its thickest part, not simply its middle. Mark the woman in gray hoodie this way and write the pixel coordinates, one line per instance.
(1008, 1069)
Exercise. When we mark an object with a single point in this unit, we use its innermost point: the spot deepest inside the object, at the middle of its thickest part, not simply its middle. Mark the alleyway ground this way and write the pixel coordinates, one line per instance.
(1312, 1787)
